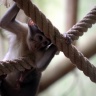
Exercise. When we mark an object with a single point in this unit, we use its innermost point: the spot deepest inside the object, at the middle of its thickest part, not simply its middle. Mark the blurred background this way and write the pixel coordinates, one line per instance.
(62, 78)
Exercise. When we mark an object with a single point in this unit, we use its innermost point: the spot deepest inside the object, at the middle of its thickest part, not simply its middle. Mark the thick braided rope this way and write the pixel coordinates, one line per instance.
(51, 32)
(82, 26)
(17, 65)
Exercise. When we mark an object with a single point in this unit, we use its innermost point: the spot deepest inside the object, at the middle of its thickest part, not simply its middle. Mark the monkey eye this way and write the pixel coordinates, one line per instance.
(45, 43)
(39, 38)
(42, 40)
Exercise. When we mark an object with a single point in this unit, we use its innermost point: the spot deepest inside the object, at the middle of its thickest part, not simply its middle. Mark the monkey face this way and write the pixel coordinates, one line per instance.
(36, 39)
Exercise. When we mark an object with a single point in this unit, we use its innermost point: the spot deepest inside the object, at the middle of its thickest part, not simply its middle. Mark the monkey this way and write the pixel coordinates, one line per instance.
(24, 39)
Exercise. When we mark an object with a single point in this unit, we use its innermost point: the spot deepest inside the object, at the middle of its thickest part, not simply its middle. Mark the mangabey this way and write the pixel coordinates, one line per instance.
(25, 39)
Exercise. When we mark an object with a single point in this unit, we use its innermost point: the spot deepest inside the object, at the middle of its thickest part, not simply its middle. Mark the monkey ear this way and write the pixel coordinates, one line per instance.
(32, 28)
(30, 22)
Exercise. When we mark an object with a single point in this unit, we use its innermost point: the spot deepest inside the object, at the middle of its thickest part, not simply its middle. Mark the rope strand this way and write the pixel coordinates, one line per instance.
(82, 26)
(17, 65)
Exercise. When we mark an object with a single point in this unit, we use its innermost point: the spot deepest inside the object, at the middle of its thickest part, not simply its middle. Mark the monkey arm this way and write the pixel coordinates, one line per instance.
(9, 23)
(10, 15)
(49, 54)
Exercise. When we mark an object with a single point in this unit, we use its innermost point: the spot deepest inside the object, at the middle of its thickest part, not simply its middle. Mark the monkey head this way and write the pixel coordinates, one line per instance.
(36, 39)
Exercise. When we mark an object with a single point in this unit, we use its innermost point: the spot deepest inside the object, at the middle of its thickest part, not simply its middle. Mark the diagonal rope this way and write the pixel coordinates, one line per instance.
(58, 39)
(82, 26)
